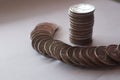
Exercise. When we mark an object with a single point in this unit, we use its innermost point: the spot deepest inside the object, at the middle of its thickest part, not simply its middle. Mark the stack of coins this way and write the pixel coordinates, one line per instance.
(81, 23)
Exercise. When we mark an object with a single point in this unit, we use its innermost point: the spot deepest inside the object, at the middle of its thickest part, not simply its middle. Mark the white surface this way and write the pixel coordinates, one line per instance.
(18, 60)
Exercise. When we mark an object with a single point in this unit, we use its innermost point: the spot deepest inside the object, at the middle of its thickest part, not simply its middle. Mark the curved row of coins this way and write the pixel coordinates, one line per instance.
(94, 56)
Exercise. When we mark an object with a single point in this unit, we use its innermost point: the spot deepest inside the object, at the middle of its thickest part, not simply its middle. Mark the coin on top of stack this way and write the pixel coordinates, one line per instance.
(81, 23)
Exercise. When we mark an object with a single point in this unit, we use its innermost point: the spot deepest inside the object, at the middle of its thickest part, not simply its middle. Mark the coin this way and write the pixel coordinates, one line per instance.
(69, 55)
(36, 39)
(76, 56)
(55, 50)
(52, 46)
(39, 33)
(102, 56)
(47, 45)
(40, 46)
(118, 48)
(113, 52)
(81, 42)
(82, 8)
(58, 49)
(90, 53)
(63, 55)
(48, 27)
(83, 55)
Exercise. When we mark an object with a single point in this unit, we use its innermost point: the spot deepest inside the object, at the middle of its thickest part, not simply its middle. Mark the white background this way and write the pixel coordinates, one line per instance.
(18, 60)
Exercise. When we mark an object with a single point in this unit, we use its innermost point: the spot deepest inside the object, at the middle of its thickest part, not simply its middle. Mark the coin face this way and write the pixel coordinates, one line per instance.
(47, 45)
(103, 57)
(90, 53)
(36, 39)
(83, 55)
(52, 47)
(56, 49)
(82, 8)
(40, 46)
(69, 55)
(77, 57)
(63, 56)
(113, 52)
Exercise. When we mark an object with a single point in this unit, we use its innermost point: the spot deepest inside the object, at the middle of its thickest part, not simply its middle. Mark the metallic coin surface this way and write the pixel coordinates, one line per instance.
(52, 46)
(82, 8)
(36, 39)
(102, 56)
(48, 27)
(40, 46)
(47, 45)
(56, 49)
(90, 53)
(77, 57)
(39, 33)
(113, 52)
(69, 55)
(63, 56)
(83, 54)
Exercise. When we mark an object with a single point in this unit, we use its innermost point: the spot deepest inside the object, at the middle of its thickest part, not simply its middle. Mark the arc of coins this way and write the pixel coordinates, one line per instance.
(95, 56)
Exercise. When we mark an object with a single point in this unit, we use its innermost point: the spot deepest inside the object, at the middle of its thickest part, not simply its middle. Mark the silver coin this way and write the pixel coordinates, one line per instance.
(113, 52)
(90, 53)
(78, 58)
(56, 49)
(47, 45)
(102, 56)
(69, 55)
(63, 55)
(82, 8)
(40, 46)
